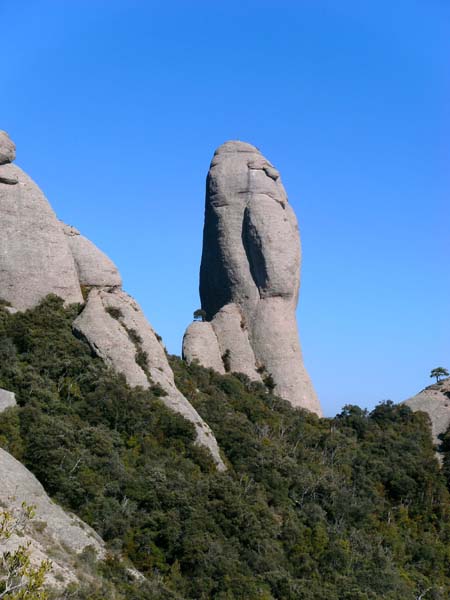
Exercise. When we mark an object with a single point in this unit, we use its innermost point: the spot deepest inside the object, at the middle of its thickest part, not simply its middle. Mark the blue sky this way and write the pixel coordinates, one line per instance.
(116, 107)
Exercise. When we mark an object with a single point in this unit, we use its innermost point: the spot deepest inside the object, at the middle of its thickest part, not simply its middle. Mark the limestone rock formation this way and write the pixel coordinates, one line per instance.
(250, 273)
(35, 258)
(7, 400)
(116, 328)
(52, 533)
(435, 401)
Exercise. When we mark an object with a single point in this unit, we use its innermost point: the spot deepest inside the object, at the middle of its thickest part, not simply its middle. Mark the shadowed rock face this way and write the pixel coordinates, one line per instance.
(251, 267)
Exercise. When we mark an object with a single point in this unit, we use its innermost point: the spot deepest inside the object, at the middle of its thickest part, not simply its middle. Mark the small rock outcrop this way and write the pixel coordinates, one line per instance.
(435, 401)
(250, 276)
(35, 258)
(7, 400)
(40, 255)
(52, 533)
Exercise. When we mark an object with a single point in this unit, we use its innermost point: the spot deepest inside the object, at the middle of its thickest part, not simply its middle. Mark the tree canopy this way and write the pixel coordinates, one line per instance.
(350, 508)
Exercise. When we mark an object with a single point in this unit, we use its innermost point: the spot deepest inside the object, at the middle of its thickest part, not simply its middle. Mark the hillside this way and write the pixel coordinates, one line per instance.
(353, 507)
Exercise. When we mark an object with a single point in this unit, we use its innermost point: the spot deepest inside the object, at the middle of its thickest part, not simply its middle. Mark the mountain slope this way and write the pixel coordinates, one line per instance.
(354, 507)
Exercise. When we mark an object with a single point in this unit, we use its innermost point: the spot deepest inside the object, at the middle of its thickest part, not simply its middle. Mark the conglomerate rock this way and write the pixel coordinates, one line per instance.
(7, 148)
(116, 328)
(52, 533)
(201, 345)
(7, 399)
(40, 255)
(435, 401)
(35, 258)
(250, 270)
(93, 266)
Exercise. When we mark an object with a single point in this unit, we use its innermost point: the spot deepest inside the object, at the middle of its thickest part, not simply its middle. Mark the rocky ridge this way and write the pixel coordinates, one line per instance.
(39, 255)
(250, 277)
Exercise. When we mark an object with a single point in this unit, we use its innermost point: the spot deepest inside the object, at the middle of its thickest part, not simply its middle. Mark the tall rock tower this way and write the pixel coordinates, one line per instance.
(250, 277)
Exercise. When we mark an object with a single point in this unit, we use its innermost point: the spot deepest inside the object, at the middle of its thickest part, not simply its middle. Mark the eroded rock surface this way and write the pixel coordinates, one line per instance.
(7, 148)
(52, 533)
(116, 328)
(250, 270)
(7, 399)
(35, 258)
(435, 401)
(94, 268)
(200, 344)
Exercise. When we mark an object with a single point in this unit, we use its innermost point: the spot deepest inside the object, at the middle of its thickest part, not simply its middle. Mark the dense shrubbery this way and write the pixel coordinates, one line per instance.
(348, 508)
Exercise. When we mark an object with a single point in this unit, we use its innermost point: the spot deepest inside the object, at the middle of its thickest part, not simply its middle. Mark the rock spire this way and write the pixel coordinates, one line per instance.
(250, 276)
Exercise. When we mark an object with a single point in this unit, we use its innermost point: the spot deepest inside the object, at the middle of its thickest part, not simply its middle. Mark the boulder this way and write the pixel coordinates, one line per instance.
(117, 330)
(7, 400)
(94, 268)
(7, 148)
(52, 533)
(250, 271)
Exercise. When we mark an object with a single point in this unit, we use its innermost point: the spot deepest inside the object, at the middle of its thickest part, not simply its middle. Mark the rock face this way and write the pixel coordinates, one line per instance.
(52, 533)
(200, 342)
(7, 149)
(435, 401)
(35, 258)
(7, 400)
(250, 274)
(116, 328)
(94, 268)
(40, 255)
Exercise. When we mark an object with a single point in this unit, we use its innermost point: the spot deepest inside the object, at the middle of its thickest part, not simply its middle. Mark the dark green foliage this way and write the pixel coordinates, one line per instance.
(114, 312)
(439, 372)
(226, 356)
(351, 508)
(200, 315)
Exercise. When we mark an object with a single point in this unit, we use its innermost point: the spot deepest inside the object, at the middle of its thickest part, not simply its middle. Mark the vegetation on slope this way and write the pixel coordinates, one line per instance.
(352, 508)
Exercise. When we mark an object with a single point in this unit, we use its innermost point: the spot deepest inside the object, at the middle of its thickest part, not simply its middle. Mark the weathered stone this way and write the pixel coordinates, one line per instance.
(7, 400)
(230, 327)
(200, 344)
(51, 530)
(94, 268)
(7, 175)
(435, 401)
(35, 259)
(251, 261)
(118, 338)
(7, 148)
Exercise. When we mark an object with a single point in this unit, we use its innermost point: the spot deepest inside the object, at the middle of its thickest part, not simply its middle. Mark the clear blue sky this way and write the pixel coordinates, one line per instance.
(116, 107)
